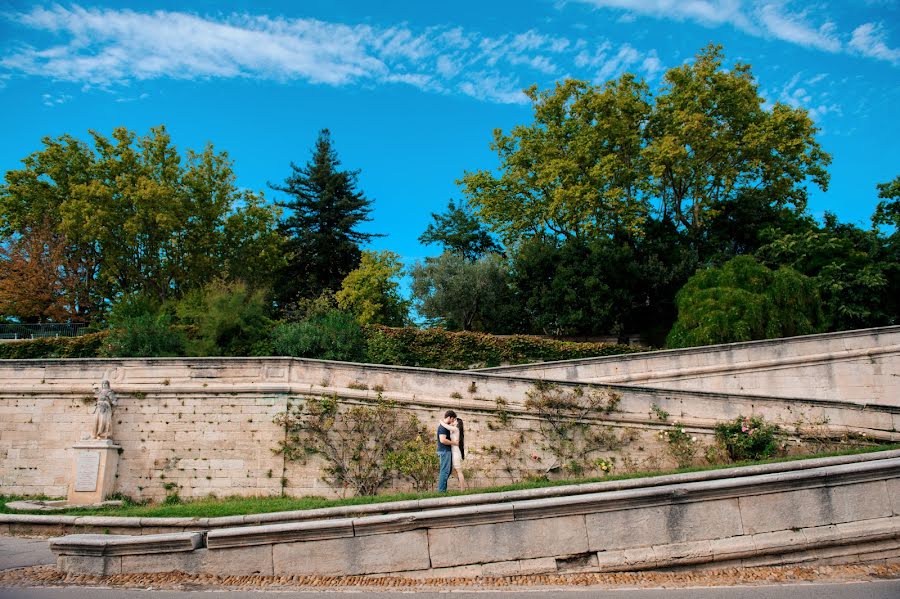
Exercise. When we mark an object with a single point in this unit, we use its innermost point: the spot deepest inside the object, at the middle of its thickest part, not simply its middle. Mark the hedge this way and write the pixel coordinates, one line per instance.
(83, 346)
(429, 348)
(437, 348)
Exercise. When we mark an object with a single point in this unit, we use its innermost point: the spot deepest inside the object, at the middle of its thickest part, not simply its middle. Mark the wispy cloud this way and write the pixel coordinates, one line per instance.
(869, 40)
(773, 19)
(52, 100)
(107, 48)
(806, 92)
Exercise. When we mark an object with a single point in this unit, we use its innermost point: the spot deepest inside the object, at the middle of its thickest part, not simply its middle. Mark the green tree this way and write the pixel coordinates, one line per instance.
(328, 335)
(140, 327)
(453, 292)
(372, 293)
(459, 231)
(576, 171)
(709, 137)
(595, 160)
(743, 300)
(134, 217)
(847, 266)
(323, 212)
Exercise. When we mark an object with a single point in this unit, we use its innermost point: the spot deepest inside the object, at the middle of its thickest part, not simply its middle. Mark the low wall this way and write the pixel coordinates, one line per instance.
(856, 366)
(205, 426)
(825, 514)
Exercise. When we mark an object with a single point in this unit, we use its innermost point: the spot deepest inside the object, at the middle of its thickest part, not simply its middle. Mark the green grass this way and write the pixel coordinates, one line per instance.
(233, 506)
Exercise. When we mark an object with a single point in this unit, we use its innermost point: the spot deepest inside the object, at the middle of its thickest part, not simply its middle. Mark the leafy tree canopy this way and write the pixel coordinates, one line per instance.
(372, 292)
(459, 231)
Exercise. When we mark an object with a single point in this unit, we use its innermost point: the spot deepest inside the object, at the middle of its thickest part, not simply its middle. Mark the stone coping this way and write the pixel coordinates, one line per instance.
(482, 502)
(704, 349)
(552, 508)
(101, 545)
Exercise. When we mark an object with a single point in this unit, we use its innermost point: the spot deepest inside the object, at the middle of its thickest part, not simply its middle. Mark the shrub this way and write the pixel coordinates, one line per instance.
(681, 445)
(139, 327)
(334, 335)
(83, 346)
(360, 445)
(229, 320)
(748, 438)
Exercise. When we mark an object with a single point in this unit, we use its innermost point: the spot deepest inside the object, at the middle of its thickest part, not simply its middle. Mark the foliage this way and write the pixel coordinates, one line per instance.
(131, 215)
(888, 210)
(83, 346)
(324, 211)
(417, 461)
(31, 288)
(568, 430)
(748, 438)
(459, 232)
(359, 444)
(850, 268)
(139, 327)
(229, 319)
(437, 348)
(743, 300)
(575, 171)
(333, 335)
(710, 137)
(595, 157)
(460, 294)
(372, 293)
(681, 445)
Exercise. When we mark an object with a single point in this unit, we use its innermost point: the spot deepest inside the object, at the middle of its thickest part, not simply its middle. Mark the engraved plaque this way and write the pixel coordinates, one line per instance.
(88, 468)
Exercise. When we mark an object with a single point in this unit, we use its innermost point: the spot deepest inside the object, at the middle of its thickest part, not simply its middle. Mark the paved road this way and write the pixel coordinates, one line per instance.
(16, 552)
(863, 590)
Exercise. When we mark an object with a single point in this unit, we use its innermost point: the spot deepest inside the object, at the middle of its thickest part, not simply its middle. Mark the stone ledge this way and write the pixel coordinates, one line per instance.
(113, 545)
(573, 494)
(279, 533)
(756, 547)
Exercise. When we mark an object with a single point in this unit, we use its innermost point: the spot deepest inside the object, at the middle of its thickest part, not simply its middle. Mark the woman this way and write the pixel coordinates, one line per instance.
(458, 450)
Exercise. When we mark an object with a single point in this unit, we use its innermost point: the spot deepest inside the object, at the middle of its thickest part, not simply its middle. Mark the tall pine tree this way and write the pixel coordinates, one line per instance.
(322, 214)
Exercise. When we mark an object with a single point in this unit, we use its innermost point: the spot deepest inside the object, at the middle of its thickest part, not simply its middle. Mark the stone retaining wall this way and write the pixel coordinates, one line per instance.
(822, 514)
(205, 426)
(857, 366)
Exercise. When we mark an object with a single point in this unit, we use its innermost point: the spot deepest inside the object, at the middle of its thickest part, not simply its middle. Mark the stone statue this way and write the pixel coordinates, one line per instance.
(106, 401)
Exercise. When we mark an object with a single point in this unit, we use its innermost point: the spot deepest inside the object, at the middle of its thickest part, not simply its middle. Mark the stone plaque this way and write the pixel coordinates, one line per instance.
(88, 469)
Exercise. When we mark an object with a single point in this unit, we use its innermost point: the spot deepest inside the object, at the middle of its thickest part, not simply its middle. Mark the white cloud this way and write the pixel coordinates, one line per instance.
(776, 19)
(800, 93)
(869, 40)
(794, 28)
(54, 100)
(107, 48)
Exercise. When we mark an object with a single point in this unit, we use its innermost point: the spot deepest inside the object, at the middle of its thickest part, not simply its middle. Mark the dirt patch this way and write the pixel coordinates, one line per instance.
(48, 576)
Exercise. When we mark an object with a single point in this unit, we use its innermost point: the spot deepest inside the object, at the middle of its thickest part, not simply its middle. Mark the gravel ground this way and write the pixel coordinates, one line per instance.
(47, 576)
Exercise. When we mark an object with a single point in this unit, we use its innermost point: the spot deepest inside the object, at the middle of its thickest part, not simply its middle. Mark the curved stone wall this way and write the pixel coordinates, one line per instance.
(816, 514)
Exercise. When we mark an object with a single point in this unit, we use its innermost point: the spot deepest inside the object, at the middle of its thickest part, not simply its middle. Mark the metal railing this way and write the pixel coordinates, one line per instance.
(14, 331)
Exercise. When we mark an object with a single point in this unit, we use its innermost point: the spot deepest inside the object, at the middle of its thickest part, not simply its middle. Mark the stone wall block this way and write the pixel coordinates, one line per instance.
(543, 565)
(163, 562)
(782, 511)
(238, 561)
(677, 523)
(89, 565)
(353, 556)
(508, 541)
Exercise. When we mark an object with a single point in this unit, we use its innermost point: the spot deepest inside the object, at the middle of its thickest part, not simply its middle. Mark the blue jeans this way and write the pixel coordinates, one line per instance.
(446, 463)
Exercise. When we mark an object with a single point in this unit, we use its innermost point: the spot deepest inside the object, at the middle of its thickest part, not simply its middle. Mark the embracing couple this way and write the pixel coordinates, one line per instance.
(451, 449)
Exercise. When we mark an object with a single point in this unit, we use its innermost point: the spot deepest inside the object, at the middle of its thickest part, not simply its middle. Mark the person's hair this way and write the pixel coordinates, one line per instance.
(462, 437)
(450, 414)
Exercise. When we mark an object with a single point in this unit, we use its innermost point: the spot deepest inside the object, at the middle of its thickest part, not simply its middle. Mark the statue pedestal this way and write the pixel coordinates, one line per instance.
(94, 473)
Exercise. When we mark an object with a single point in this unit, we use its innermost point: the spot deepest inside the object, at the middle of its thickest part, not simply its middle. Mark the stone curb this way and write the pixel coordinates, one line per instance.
(103, 545)
(459, 501)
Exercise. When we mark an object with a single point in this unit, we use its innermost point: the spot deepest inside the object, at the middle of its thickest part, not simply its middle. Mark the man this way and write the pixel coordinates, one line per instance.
(443, 450)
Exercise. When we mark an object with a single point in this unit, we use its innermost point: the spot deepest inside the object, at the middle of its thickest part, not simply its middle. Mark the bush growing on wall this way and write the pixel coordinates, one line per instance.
(748, 438)
(364, 447)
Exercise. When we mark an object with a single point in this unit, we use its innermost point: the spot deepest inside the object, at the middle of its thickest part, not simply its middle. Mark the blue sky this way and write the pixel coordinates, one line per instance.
(413, 90)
